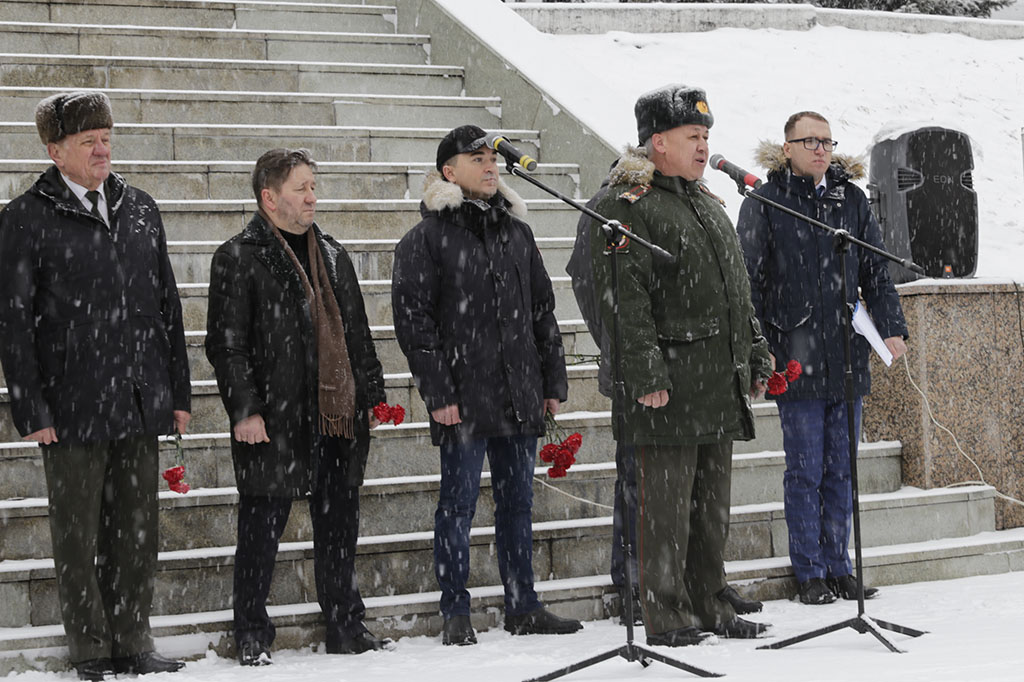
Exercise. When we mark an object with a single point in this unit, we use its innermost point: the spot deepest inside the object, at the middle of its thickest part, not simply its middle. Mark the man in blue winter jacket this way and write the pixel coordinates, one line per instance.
(795, 285)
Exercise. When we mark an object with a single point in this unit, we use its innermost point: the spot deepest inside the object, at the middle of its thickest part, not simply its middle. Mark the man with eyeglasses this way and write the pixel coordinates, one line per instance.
(796, 290)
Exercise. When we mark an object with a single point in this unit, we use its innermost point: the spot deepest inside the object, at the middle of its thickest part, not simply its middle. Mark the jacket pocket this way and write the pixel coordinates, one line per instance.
(688, 329)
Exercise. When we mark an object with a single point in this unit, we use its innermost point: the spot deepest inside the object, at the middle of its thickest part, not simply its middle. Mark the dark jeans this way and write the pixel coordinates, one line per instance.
(512, 463)
(103, 521)
(817, 493)
(625, 490)
(334, 511)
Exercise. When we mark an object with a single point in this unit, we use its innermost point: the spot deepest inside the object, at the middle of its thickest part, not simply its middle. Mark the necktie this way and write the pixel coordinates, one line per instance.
(94, 196)
(821, 190)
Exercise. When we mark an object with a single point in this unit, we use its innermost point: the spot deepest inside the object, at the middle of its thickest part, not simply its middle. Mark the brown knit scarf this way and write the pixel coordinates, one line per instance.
(337, 386)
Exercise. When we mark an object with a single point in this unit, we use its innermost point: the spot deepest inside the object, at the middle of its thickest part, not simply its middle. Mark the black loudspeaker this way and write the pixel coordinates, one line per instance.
(922, 193)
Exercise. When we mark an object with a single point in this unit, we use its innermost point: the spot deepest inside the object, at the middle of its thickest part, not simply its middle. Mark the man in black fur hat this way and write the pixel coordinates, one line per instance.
(795, 283)
(694, 355)
(93, 350)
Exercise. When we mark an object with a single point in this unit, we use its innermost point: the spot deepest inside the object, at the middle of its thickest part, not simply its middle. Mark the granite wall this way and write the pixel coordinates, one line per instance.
(966, 353)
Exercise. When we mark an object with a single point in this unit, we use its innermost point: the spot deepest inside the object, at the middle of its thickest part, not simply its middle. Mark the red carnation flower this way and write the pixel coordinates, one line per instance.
(793, 371)
(573, 442)
(564, 457)
(174, 474)
(777, 384)
(547, 453)
(397, 415)
(556, 472)
(382, 412)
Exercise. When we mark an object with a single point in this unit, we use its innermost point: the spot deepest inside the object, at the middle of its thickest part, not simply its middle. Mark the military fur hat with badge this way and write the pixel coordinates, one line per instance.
(669, 107)
(68, 113)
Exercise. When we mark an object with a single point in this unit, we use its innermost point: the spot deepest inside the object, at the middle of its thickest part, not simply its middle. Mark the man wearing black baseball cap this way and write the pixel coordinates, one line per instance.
(474, 315)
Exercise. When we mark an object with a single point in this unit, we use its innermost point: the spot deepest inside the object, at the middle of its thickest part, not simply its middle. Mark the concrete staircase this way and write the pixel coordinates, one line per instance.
(341, 79)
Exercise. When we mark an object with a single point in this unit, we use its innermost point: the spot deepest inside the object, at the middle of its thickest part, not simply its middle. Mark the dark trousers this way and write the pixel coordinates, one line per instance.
(684, 523)
(103, 523)
(334, 511)
(816, 487)
(512, 463)
(625, 501)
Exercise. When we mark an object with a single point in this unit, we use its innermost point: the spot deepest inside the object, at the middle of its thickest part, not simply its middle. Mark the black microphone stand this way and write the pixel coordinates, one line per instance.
(614, 232)
(861, 622)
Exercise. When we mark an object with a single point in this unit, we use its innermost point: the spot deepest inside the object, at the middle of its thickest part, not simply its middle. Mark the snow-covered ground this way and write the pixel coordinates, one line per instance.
(861, 81)
(973, 625)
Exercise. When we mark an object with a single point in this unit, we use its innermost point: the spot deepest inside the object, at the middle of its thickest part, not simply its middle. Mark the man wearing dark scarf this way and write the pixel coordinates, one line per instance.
(290, 344)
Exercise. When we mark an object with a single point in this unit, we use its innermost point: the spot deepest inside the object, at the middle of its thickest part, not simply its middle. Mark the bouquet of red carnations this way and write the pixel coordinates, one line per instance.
(560, 450)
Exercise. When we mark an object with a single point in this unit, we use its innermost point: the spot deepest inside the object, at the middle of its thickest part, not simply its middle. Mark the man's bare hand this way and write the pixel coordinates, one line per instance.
(552, 405)
(655, 400)
(181, 420)
(43, 436)
(896, 346)
(447, 415)
(251, 430)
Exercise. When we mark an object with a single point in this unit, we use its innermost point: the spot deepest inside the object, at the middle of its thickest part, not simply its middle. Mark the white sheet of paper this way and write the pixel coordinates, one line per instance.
(863, 325)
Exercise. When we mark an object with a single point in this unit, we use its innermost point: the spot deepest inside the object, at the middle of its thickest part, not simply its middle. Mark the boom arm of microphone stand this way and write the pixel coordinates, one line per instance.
(610, 227)
(839, 234)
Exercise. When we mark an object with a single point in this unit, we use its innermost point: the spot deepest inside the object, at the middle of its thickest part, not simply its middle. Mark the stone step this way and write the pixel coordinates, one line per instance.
(342, 218)
(200, 579)
(372, 258)
(406, 451)
(376, 297)
(231, 142)
(587, 598)
(579, 348)
(223, 14)
(208, 414)
(206, 517)
(192, 72)
(267, 107)
(212, 43)
(168, 180)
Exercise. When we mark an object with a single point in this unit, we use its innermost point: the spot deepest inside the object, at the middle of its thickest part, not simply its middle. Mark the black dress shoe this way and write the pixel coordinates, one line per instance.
(741, 628)
(254, 653)
(355, 641)
(146, 663)
(815, 591)
(845, 586)
(540, 621)
(739, 603)
(688, 636)
(94, 669)
(458, 631)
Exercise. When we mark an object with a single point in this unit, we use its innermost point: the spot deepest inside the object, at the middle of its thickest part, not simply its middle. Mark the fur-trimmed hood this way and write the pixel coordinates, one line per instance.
(769, 155)
(632, 168)
(439, 195)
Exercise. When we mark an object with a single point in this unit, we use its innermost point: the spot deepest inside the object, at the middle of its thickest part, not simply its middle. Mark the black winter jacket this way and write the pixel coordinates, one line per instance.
(795, 278)
(261, 343)
(474, 314)
(91, 334)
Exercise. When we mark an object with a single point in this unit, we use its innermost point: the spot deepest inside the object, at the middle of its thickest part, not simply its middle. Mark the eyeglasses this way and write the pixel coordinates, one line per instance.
(811, 143)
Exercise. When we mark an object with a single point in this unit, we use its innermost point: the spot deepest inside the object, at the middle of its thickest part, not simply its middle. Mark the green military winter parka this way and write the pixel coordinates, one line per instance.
(689, 326)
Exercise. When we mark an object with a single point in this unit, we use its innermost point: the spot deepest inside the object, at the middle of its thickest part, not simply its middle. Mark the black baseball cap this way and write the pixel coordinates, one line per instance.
(460, 140)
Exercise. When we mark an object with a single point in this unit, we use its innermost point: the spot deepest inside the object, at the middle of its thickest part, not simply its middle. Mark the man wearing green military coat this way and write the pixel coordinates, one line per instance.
(692, 354)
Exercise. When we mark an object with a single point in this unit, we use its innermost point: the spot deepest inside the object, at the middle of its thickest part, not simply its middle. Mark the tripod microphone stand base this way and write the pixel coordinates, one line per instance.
(631, 652)
(862, 624)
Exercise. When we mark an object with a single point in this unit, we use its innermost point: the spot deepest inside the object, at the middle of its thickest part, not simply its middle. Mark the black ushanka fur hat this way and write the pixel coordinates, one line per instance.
(669, 107)
(68, 113)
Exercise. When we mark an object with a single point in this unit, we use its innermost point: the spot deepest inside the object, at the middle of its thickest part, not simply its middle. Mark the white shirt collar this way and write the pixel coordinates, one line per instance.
(79, 191)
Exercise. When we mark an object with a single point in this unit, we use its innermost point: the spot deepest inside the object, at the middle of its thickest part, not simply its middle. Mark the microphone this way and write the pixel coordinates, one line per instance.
(501, 145)
(741, 176)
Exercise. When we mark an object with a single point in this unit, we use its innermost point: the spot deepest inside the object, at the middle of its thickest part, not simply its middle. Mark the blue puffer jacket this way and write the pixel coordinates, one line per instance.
(795, 277)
